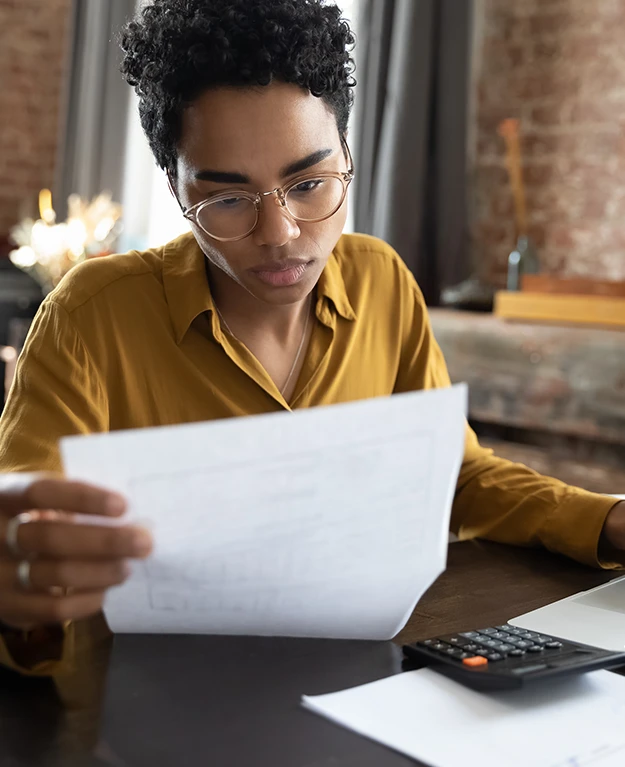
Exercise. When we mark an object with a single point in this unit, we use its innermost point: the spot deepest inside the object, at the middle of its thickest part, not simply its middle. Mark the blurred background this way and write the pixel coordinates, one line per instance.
(489, 139)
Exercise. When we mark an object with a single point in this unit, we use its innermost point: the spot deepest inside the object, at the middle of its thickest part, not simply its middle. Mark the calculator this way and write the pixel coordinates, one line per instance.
(506, 657)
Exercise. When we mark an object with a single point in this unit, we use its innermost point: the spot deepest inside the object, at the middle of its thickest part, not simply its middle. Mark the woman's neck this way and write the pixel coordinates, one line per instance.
(246, 315)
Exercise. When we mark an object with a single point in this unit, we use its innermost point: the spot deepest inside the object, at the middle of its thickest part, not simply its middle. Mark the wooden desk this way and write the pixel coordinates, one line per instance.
(189, 701)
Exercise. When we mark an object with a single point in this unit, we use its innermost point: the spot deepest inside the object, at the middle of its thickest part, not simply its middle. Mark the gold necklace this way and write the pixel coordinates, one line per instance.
(299, 348)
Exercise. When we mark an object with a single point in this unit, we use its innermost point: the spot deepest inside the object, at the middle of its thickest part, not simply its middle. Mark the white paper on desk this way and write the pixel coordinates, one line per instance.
(328, 522)
(570, 723)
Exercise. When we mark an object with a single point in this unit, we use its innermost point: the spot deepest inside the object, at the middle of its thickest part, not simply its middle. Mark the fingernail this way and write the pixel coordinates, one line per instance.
(142, 542)
(115, 504)
(143, 522)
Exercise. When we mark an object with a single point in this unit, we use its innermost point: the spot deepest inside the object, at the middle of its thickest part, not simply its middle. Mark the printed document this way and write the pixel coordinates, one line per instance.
(323, 522)
(572, 722)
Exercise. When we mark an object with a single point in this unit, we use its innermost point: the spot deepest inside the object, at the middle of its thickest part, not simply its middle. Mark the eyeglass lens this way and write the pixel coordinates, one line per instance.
(313, 199)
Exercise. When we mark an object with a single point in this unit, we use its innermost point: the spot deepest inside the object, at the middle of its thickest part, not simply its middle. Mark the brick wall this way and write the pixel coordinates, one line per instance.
(33, 43)
(559, 67)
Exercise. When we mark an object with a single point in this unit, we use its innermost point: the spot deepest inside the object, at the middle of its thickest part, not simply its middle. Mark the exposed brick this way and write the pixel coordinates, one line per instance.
(593, 110)
(559, 67)
(560, 237)
(539, 174)
(33, 49)
(548, 115)
(538, 234)
(493, 233)
(540, 144)
(545, 24)
(585, 47)
(502, 205)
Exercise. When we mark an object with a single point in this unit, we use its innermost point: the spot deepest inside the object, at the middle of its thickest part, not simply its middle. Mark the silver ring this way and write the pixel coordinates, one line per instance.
(23, 574)
(12, 528)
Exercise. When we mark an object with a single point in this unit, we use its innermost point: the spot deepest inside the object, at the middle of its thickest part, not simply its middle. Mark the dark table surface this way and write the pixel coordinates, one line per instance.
(161, 701)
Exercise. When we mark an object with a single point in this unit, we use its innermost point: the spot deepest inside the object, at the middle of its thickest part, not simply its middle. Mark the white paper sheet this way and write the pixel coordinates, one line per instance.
(328, 522)
(571, 723)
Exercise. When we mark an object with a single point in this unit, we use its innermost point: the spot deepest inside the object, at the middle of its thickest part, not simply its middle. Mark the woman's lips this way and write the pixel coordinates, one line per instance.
(282, 275)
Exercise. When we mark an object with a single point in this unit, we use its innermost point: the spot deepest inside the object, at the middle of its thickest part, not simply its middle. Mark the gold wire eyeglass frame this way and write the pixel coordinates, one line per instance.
(280, 192)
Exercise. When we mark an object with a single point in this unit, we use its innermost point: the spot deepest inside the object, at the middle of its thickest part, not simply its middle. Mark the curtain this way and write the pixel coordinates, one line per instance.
(412, 105)
(91, 158)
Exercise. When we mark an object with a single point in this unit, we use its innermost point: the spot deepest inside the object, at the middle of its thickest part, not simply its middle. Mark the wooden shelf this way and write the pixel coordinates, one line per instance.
(602, 311)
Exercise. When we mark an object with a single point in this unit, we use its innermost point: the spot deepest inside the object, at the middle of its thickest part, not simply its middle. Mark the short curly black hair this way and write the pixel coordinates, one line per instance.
(176, 49)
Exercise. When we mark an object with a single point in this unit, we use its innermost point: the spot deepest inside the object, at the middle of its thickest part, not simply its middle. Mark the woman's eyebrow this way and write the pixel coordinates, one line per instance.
(307, 162)
(231, 177)
(221, 177)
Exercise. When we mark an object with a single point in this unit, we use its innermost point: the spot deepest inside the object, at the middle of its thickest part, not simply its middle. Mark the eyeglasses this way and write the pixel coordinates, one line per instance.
(233, 214)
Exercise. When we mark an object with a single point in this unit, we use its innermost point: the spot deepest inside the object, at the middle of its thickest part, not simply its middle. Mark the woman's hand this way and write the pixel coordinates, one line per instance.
(57, 569)
(614, 527)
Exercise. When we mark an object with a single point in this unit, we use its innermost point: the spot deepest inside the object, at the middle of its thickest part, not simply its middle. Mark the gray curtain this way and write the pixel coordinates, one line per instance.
(412, 104)
(91, 158)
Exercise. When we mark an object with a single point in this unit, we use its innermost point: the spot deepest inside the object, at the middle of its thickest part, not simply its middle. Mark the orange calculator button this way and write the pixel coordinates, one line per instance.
(474, 662)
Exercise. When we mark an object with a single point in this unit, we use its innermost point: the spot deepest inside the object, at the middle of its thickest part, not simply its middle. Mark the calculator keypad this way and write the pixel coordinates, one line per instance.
(494, 644)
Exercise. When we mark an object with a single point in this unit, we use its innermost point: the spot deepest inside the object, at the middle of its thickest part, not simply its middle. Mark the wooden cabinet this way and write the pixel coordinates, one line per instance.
(559, 390)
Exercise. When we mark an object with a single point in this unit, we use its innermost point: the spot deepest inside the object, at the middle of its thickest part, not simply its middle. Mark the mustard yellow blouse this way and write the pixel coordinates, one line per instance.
(134, 340)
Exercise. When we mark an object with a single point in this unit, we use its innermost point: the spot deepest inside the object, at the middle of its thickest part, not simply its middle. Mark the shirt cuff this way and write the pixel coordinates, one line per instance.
(575, 527)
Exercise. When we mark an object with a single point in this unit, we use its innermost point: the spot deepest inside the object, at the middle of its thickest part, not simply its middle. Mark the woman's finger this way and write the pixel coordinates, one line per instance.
(29, 492)
(59, 540)
(75, 574)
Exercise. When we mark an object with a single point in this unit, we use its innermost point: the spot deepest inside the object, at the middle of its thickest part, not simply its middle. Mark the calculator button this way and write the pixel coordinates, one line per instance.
(455, 652)
(516, 653)
(530, 635)
(495, 656)
(439, 646)
(542, 640)
(553, 645)
(503, 647)
(466, 655)
(426, 643)
(470, 647)
(487, 631)
(522, 644)
(505, 627)
(516, 632)
(482, 641)
(460, 641)
(491, 644)
(535, 648)
(500, 635)
(475, 662)
(470, 634)
(483, 653)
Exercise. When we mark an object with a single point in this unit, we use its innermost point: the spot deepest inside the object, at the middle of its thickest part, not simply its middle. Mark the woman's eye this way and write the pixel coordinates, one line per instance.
(230, 202)
(308, 186)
